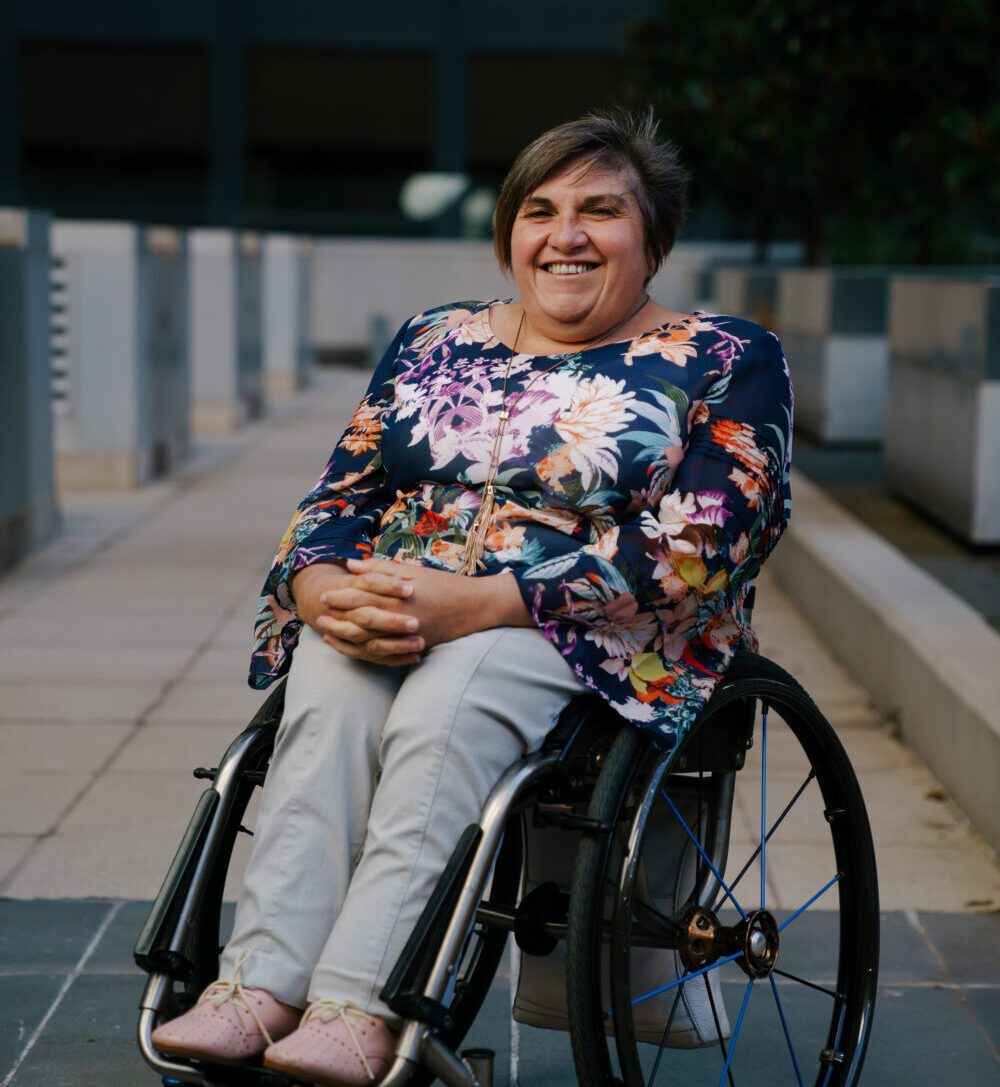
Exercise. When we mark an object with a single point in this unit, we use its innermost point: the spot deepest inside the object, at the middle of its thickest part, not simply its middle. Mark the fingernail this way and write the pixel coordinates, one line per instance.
(407, 589)
(412, 624)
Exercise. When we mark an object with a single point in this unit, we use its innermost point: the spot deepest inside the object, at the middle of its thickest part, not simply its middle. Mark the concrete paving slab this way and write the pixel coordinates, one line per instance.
(13, 849)
(109, 629)
(968, 946)
(173, 747)
(57, 747)
(925, 1037)
(984, 1004)
(76, 701)
(91, 1042)
(62, 661)
(33, 803)
(77, 865)
(24, 1000)
(208, 703)
(224, 664)
(47, 937)
(937, 877)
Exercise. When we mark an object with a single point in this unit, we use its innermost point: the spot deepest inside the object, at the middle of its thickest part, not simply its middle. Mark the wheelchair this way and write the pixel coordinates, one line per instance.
(714, 917)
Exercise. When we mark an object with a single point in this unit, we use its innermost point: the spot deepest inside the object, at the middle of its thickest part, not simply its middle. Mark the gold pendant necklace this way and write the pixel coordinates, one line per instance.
(475, 541)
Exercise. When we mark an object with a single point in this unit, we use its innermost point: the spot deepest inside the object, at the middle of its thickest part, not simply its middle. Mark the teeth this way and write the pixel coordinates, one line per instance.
(568, 269)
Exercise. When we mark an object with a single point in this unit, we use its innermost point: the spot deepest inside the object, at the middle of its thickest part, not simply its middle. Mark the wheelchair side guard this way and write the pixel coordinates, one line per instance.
(170, 939)
(403, 991)
(161, 947)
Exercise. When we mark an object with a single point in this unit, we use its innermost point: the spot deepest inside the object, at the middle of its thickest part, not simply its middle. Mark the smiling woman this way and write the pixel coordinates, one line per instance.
(612, 473)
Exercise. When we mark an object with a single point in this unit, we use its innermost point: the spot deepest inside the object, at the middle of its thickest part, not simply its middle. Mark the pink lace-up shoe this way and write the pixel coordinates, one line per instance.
(337, 1044)
(230, 1024)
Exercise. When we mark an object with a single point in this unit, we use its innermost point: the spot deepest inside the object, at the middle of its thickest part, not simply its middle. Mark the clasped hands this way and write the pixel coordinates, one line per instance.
(391, 612)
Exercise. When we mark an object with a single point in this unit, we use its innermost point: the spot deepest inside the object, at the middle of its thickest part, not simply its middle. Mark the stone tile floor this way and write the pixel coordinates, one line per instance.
(69, 993)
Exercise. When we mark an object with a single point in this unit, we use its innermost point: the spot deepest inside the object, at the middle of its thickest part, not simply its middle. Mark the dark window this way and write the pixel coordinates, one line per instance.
(116, 129)
(332, 136)
(514, 99)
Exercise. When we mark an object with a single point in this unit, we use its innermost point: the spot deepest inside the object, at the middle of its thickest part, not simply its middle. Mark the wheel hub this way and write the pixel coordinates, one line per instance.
(704, 940)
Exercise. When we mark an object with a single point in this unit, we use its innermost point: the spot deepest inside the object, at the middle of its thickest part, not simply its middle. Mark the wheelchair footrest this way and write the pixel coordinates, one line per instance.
(425, 1010)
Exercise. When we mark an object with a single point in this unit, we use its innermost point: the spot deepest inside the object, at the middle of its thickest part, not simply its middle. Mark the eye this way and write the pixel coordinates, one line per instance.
(603, 211)
(536, 213)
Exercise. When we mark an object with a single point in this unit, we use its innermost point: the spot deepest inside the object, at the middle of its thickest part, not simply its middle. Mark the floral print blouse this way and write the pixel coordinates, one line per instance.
(641, 485)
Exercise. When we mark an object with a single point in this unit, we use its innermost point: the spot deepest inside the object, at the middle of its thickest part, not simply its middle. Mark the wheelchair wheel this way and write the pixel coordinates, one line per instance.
(728, 926)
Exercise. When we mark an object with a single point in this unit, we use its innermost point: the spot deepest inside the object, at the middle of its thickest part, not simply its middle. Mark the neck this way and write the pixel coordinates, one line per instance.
(539, 334)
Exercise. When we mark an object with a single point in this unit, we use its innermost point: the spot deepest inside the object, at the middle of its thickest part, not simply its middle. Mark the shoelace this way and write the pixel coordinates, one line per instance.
(221, 992)
(326, 1010)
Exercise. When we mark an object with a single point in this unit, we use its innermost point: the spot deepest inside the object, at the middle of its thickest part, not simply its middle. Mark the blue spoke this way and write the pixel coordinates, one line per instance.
(763, 806)
(715, 872)
(736, 1032)
(685, 978)
(805, 905)
(784, 1027)
(770, 834)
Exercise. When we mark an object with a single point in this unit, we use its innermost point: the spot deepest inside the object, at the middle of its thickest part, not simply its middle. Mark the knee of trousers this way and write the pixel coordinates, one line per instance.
(341, 703)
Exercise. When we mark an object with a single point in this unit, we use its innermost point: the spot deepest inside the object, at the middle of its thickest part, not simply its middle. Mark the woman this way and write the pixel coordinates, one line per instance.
(610, 472)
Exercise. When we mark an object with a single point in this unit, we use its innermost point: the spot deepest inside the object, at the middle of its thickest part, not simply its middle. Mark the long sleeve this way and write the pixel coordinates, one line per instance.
(335, 521)
(655, 599)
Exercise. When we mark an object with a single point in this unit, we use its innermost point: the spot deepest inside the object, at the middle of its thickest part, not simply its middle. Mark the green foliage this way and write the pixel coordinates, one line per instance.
(871, 130)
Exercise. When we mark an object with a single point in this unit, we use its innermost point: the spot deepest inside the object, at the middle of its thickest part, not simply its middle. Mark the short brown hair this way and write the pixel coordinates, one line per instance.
(613, 138)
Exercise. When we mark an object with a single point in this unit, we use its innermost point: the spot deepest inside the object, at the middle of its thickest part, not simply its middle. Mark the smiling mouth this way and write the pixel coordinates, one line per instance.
(566, 269)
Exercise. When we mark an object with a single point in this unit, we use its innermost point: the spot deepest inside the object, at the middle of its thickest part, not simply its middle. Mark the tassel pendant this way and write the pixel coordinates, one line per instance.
(475, 542)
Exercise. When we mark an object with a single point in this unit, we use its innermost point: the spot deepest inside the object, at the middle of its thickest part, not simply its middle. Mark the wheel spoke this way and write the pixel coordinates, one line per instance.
(718, 1027)
(663, 1039)
(763, 806)
(784, 1027)
(770, 834)
(805, 905)
(715, 872)
(810, 984)
(736, 1032)
(686, 977)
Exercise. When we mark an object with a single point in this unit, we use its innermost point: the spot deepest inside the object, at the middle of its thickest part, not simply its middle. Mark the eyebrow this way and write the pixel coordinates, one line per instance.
(588, 201)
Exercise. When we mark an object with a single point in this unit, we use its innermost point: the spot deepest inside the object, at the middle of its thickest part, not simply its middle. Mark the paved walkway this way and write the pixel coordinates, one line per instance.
(123, 652)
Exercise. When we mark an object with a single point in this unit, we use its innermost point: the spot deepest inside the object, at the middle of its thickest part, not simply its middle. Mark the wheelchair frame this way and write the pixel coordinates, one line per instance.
(180, 942)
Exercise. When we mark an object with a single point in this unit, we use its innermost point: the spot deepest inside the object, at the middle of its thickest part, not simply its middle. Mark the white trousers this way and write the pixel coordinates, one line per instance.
(376, 772)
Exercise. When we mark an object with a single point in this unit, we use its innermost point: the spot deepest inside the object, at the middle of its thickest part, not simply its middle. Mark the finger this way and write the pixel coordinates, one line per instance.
(399, 651)
(345, 597)
(371, 621)
(345, 630)
(379, 566)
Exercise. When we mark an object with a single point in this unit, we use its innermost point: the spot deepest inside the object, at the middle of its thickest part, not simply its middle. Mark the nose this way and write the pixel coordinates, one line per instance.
(567, 233)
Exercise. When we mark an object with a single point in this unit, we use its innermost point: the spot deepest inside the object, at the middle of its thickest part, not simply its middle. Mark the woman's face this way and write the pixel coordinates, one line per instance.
(578, 252)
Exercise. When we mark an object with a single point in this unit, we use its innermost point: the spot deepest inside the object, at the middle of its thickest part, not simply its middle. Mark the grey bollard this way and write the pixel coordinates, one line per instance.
(227, 385)
(833, 330)
(27, 496)
(285, 294)
(119, 322)
(379, 338)
(480, 1062)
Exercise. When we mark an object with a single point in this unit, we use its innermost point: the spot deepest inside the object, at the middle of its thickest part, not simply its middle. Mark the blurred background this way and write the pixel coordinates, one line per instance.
(214, 214)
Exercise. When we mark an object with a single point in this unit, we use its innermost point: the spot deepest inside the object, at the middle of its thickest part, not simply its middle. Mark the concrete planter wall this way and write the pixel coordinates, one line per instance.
(285, 285)
(227, 386)
(942, 442)
(27, 497)
(363, 287)
(119, 296)
(833, 329)
(749, 291)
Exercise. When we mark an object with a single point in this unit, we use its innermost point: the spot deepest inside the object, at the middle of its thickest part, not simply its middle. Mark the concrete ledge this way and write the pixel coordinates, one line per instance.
(924, 655)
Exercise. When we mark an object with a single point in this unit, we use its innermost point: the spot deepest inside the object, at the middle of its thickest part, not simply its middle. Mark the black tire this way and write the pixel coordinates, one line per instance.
(806, 1017)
